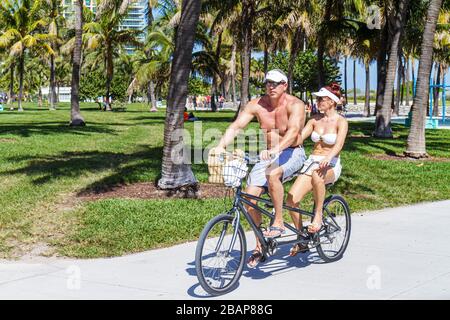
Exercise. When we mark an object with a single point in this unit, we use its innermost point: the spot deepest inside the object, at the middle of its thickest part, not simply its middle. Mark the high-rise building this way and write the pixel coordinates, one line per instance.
(136, 18)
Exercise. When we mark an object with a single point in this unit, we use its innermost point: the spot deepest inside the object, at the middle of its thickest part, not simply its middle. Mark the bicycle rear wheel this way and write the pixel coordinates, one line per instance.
(219, 262)
(337, 226)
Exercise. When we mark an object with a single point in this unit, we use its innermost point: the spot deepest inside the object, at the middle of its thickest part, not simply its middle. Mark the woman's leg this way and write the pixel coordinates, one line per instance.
(319, 179)
(297, 192)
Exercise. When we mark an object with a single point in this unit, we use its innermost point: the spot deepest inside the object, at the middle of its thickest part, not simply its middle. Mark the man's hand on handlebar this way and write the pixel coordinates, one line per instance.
(267, 155)
(218, 150)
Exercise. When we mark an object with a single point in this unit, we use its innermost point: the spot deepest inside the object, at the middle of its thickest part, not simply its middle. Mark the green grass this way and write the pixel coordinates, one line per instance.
(44, 164)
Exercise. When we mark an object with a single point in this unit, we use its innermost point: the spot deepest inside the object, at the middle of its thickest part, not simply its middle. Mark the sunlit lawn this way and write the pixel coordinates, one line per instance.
(44, 164)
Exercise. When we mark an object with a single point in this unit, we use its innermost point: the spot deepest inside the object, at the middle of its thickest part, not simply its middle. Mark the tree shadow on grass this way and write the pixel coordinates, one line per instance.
(436, 141)
(127, 167)
(48, 128)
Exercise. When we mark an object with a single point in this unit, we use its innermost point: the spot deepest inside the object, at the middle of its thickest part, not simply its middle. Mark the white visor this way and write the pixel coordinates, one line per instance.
(275, 76)
(323, 92)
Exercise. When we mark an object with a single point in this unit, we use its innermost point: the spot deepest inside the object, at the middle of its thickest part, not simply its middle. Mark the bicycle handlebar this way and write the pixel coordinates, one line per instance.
(247, 157)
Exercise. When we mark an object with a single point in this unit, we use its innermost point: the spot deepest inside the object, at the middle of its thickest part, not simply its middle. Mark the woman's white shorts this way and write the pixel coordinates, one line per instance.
(308, 168)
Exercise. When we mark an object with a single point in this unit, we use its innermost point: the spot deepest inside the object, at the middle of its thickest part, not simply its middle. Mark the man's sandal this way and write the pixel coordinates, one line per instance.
(297, 248)
(278, 232)
(255, 258)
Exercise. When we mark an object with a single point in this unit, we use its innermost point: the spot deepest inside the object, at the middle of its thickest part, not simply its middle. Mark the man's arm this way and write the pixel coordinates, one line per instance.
(295, 124)
(243, 119)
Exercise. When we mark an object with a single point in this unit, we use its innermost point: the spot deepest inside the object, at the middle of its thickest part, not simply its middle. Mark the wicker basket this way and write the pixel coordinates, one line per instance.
(218, 161)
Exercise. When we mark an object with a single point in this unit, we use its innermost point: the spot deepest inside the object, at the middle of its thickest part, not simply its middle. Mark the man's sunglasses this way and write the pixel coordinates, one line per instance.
(273, 84)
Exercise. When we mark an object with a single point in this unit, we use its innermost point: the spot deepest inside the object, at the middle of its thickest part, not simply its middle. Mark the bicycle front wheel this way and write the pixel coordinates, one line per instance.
(220, 257)
(336, 234)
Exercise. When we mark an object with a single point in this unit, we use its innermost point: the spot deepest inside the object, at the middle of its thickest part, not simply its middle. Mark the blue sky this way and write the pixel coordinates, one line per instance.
(361, 74)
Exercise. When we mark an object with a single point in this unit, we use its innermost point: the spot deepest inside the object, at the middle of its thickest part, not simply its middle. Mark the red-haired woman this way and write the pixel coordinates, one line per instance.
(328, 131)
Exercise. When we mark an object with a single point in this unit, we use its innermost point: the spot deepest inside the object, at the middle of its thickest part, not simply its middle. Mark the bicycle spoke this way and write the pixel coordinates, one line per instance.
(219, 267)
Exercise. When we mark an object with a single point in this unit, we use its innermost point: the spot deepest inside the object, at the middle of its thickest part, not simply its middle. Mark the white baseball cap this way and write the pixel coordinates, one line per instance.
(276, 75)
(324, 92)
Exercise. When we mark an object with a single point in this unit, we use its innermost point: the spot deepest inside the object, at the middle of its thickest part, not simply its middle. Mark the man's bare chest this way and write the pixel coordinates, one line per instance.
(275, 119)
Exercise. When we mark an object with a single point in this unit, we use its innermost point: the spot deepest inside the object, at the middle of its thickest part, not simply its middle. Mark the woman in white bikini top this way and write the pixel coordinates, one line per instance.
(328, 138)
(328, 131)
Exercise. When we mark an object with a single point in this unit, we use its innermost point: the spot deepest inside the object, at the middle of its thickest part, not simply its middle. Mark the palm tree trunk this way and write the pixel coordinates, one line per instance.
(321, 43)
(383, 118)
(266, 58)
(297, 41)
(399, 86)
(214, 88)
(413, 75)
(381, 66)
(233, 73)
(407, 80)
(75, 116)
(367, 100)
(436, 90)
(40, 96)
(403, 84)
(321, 46)
(355, 102)
(151, 90)
(247, 19)
(345, 79)
(11, 87)
(52, 89)
(109, 76)
(176, 171)
(21, 73)
(415, 146)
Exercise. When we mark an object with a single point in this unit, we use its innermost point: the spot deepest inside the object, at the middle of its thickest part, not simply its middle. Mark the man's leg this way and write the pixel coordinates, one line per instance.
(256, 216)
(276, 191)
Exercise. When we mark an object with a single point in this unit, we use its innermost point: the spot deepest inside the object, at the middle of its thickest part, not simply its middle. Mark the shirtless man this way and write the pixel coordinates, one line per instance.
(282, 118)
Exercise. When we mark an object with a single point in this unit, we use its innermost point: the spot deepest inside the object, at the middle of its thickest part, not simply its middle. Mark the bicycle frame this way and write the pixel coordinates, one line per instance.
(241, 199)
(238, 208)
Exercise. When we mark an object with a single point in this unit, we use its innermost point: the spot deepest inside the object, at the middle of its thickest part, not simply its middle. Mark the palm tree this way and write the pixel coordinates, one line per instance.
(383, 117)
(241, 17)
(36, 75)
(441, 52)
(151, 85)
(9, 67)
(175, 171)
(365, 48)
(24, 31)
(55, 22)
(75, 116)
(296, 23)
(415, 146)
(153, 65)
(104, 37)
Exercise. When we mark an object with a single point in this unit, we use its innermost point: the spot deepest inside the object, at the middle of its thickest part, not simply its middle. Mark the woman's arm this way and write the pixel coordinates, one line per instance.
(308, 129)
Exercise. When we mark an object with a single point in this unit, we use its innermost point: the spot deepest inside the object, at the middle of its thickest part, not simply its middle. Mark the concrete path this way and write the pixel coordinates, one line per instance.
(400, 253)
